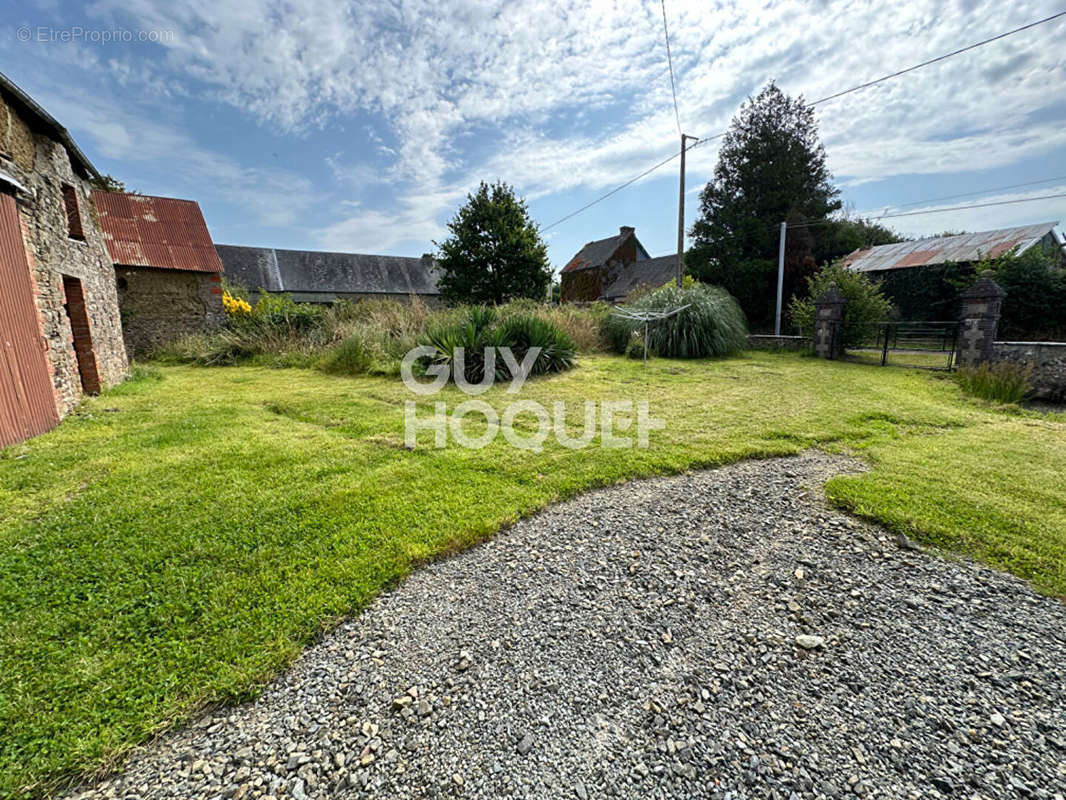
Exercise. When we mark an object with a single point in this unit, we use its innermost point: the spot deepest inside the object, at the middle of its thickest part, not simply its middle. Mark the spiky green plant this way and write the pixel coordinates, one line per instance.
(524, 332)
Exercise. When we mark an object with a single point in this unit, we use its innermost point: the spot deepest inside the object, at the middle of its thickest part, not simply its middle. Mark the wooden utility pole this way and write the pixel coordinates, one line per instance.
(681, 216)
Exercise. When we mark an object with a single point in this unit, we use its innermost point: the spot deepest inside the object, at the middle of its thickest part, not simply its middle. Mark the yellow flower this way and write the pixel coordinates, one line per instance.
(235, 306)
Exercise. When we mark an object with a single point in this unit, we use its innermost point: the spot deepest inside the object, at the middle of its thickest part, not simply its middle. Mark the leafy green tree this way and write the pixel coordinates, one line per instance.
(1035, 306)
(494, 253)
(771, 168)
(109, 183)
(839, 237)
(864, 303)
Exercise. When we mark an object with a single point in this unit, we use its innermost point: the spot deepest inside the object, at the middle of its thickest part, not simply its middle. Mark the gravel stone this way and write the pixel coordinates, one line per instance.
(640, 642)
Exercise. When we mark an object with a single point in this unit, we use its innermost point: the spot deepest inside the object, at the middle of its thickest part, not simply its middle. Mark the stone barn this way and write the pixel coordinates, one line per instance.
(168, 274)
(612, 268)
(60, 334)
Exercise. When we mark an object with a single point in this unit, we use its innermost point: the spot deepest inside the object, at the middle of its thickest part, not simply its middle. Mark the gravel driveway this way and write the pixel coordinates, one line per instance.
(719, 634)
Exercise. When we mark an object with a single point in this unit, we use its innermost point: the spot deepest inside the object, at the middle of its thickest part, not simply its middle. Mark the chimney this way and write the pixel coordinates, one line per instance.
(624, 229)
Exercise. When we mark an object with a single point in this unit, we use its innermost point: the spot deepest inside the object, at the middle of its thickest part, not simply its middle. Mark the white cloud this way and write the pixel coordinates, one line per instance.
(270, 196)
(553, 95)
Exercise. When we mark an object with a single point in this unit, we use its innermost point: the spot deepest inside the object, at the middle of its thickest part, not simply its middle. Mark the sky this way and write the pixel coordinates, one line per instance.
(362, 126)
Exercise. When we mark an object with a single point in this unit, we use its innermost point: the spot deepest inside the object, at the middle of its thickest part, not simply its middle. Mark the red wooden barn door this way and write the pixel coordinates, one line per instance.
(27, 401)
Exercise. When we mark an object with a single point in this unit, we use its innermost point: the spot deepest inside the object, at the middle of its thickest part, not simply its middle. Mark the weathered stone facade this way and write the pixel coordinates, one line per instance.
(161, 305)
(43, 167)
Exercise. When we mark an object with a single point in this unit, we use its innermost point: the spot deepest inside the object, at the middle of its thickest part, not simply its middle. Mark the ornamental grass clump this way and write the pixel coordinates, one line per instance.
(997, 383)
(711, 325)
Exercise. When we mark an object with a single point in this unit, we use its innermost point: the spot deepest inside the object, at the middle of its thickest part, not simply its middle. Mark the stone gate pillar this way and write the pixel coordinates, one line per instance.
(979, 320)
(829, 323)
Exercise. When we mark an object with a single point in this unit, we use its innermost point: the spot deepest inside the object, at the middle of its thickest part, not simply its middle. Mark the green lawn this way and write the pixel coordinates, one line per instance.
(183, 536)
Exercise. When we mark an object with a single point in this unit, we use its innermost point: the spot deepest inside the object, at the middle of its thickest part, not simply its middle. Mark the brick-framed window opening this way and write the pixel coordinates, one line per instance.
(73, 210)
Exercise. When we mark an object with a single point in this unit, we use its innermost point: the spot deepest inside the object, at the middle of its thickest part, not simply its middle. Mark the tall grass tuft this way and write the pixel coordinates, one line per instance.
(1000, 382)
(711, 325)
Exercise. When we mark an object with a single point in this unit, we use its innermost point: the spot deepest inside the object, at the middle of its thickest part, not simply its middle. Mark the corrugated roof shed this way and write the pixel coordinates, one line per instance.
(965, 247)
(654, 272)
(160, 232)
(279, 270)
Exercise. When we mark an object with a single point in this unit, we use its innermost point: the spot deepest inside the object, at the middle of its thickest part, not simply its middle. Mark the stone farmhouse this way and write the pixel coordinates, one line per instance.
(60, 331)
(610, 269)
(168, 274)
(311, 276)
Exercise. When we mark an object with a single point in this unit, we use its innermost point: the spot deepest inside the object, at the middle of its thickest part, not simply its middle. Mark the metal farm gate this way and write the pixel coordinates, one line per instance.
(27, 402)
(924, 345)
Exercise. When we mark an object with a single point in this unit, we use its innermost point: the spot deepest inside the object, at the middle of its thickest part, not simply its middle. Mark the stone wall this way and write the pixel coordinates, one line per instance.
(43, 166)
(1048, 360)
(791, 343)
(161, 305)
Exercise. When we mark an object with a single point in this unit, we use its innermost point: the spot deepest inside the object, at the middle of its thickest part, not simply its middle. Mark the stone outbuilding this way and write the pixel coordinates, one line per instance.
(168, 274)
(610, 269)
(60, 331)
(313, 276)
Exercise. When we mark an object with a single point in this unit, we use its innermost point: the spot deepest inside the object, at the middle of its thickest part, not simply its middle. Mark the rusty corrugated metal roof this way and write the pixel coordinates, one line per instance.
(160, 232)
(965, 247)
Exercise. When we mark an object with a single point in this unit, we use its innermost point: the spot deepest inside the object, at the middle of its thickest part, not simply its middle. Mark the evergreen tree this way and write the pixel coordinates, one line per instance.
(771, 168)
(494, 253)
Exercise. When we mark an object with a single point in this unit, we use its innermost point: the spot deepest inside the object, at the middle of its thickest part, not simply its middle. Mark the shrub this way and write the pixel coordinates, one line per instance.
(279, 313)
(1035, 306)
(476, 333)
(1001, 382)
(525, 332)
(712, 325)
(864, 304)
(353, 356)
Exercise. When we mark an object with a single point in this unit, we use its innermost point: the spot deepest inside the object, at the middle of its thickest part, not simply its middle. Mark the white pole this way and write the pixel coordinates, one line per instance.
(780, 278)
(680, 266)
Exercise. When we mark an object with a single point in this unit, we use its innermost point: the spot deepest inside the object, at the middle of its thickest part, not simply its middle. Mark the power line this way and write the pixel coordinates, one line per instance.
(979, 191)
(816, 223)
(939, 58)
(615, 190)
(826, 99)
(977, 205)
(670, 61)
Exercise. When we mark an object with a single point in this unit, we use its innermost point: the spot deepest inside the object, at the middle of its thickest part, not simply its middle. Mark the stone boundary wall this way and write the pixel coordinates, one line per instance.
(758, 341)
(1048, 360)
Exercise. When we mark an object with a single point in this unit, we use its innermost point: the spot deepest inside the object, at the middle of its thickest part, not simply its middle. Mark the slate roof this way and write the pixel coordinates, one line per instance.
(595, 254)
(940, 249)
(278, 270)
(652, 272)
(160, 232)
